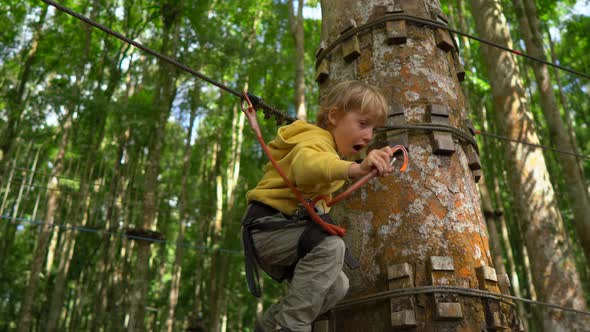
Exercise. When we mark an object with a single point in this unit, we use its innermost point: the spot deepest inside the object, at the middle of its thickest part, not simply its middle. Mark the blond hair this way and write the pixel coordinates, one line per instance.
(355, 96)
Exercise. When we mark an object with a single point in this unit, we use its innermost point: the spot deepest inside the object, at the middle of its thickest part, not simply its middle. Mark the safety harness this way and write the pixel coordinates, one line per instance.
(313, 233)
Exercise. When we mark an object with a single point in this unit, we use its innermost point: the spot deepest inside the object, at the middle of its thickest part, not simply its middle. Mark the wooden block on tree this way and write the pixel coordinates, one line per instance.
(322, 72)
(350, 47)
(443, 39)
(397, 33)
(459, 67)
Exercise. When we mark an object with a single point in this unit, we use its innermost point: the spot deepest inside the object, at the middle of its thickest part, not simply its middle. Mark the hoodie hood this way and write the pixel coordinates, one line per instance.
(295, 133)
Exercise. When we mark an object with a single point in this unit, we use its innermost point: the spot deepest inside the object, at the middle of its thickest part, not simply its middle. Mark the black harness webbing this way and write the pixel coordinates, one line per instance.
(312, 235)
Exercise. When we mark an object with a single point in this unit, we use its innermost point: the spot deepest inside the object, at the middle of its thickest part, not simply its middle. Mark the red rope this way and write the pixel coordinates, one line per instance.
(362, 180)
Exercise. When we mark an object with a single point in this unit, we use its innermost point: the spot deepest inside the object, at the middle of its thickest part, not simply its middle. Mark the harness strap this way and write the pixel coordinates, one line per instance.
(252, 277)
(314, 234)
(257, 210)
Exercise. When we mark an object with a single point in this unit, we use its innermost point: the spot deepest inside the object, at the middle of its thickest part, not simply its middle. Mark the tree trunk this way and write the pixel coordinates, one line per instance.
(164, 97)
(83, 205)
(491, 215)
(9, 183)
(25, 319)
(564, 104)
(10, 226)
(297, 31)
(182, 219)
(58, 292)
(117, 190)
(423, 227)
(16, 103)
(546, 241)
(81, 211)
(575, 183)
(219, 271)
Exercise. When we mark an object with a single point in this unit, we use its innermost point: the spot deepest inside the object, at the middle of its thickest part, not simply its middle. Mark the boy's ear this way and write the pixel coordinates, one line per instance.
(333, 116)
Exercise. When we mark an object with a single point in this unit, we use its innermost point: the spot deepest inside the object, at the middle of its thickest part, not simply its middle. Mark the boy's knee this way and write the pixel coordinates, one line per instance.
(340, 287)
(335, 245)
(345, 284)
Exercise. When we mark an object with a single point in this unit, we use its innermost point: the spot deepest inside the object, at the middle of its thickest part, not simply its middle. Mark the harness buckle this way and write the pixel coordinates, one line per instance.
(301, 213)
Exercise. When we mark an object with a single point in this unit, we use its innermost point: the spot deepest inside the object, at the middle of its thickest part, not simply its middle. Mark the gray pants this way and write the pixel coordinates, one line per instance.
(318, 281)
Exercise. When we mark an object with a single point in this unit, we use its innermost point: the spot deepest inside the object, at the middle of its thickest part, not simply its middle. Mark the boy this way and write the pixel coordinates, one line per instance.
(278, 236)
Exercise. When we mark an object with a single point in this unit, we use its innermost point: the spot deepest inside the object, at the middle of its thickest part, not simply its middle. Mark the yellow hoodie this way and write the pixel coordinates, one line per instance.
(307, 154)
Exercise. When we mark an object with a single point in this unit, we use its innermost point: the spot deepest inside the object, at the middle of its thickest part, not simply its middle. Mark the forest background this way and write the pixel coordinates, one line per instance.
(105, 147)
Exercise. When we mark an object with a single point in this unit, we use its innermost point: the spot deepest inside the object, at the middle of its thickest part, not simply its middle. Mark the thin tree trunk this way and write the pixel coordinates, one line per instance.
(513, 276)
(9, 183)
(195, 318)
(297, 31)
(26, 314)
(119, 284)
(117, 190)
(52, 249)
(495, 172)
(164, 97)
(491, 219)
(9, 228)
(78, 303)
(219, 271)
(17, 103)
(108, 261)
(533, 193)
(183, 217)
(58, 292)
(82, 205)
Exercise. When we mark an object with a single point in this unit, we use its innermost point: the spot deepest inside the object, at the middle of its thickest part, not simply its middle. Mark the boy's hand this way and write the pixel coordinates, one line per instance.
(378, 159)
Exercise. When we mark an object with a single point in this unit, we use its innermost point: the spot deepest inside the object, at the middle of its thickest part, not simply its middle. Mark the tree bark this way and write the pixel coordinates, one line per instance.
(575, 183)
(171, 12)
(298, 34)
(546, 241)
(564, 104)
(403, 227)
(9, 228)
(16, 103)
(25, 318)
(182, 219)
(492, 216)
(109, 263)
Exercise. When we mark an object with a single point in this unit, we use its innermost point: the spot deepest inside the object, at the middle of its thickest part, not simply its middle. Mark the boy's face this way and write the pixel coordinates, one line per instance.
(352, 131)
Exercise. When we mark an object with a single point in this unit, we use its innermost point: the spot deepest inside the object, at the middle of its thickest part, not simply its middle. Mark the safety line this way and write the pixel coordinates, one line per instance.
(470, 140)
(433, 127)
(449, 289)
(540, 146)
(281, 116)
(257, 101)
(104, 231)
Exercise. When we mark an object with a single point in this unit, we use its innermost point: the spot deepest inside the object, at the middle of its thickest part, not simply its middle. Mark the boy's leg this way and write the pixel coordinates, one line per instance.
(315, 275)
(276, 250)
(268, 322)
(336, 292)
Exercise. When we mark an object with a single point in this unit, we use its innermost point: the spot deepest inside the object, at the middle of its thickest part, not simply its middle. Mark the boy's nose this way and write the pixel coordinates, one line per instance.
(368, 136)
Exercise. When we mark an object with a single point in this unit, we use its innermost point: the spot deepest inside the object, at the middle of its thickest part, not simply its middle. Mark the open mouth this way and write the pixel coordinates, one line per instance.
(357, 147)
